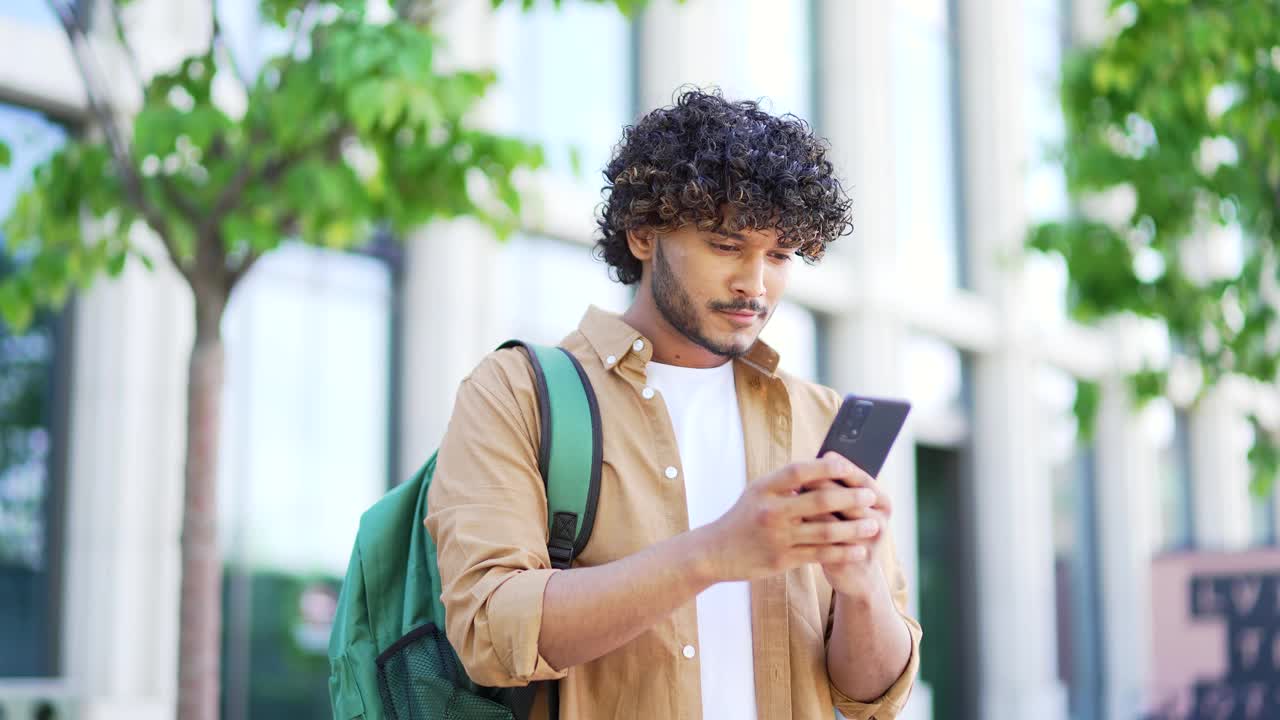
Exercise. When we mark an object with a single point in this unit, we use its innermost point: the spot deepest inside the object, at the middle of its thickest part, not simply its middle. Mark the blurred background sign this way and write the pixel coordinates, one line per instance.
(1217, 635)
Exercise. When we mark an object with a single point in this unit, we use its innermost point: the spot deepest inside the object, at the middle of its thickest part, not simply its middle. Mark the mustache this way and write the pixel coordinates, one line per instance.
(739, 307)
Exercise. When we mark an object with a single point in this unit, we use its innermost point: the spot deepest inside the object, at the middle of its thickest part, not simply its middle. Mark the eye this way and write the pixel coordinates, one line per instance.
(724, 248)
(783, 257)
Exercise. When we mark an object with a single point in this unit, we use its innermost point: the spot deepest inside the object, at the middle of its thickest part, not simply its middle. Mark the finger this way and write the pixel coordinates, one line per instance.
(797, 475)
(828, 517)
(821, 483)
(846, 472)
(845, 564)
(883, 502)
(840, 532)
(842, 500)
(854, 476)
(831, 554)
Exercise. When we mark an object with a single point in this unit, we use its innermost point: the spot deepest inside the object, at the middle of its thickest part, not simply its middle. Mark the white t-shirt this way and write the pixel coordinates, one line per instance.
(703, 405)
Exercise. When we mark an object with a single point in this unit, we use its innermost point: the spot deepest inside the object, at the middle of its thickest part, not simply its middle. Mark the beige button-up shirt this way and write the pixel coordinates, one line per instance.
(488, 516)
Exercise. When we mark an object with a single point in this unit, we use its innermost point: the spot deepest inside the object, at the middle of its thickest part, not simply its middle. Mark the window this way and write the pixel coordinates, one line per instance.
(924, 145)
(32, 435)
(938, 384)
(306, 406)
(565, 76)
(36, 12)
(547, 284)
(795, 332)
(305, 450)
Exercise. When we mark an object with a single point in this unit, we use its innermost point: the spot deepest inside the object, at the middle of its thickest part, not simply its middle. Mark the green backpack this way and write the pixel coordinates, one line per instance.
(389, 658)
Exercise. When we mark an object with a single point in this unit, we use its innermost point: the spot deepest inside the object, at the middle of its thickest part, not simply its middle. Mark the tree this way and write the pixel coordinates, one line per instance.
(351, 128)
(1176, 116)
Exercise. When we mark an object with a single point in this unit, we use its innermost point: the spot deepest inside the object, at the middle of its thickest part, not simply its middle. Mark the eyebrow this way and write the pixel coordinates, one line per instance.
(743, 238)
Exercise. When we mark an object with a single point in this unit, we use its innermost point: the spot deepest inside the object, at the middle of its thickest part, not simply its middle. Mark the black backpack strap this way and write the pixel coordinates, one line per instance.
(564, 393)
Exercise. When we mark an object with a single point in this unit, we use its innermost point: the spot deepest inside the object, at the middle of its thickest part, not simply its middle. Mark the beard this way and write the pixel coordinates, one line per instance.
(677, 308)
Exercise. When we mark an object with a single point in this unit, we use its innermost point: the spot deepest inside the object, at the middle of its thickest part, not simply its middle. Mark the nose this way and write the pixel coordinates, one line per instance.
(748, 281)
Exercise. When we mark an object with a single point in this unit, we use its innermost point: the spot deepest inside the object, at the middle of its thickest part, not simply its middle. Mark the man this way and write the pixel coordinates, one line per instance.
(713, 585)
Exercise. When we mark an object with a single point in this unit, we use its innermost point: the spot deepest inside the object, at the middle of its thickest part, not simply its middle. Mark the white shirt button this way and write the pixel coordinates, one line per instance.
(689, 652)
(637, 345)
(610, 360)
(647, 393)
(671, 473)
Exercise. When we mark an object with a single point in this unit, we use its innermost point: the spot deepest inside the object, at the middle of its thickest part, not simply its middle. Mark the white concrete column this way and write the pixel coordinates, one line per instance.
(1012, 503)
(449, 316)
(449, 325)
(1013, 521)
(679, 44)
(126, 453)
(1220, 501)
(124, 496)
(867, 344)
(1127, 466)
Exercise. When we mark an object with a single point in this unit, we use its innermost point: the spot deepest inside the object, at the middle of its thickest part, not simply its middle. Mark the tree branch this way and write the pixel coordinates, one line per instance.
(235, 275)
(269, 172)
(272, 169)
(102, 112)
(180, 201)
(118, 20)
(288, 225)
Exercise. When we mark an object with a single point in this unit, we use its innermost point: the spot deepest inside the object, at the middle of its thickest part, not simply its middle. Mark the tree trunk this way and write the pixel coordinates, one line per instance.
(200, 630)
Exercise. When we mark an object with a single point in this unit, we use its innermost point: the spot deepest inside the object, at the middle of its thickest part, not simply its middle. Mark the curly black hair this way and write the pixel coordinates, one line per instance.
(720, 165)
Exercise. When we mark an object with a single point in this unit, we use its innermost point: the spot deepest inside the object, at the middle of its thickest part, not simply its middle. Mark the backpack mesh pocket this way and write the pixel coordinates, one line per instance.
(420, 678)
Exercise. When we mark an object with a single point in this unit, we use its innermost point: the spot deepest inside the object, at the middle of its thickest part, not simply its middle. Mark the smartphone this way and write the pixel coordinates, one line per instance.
(864, 430)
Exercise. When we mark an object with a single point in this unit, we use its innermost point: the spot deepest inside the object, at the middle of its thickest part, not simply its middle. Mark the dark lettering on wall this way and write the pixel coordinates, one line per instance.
(1249, 604)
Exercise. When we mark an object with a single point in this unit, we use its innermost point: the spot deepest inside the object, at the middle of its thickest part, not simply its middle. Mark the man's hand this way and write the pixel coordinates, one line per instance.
(860, 574)
(774, 526)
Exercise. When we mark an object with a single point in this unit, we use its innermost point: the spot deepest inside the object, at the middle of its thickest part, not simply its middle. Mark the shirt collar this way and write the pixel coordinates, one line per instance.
(611, 337)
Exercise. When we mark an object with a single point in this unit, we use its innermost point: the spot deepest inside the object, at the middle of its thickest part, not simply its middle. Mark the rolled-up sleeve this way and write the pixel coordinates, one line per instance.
(889, 704)
(487, 513)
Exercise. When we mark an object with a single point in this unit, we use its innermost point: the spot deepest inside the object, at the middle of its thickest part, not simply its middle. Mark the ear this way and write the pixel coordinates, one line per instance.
(642, 243)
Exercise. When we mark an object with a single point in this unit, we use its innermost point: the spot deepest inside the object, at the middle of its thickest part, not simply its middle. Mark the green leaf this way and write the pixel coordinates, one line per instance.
(1085, 407)
(15, 310)
(115, 265)
(1264, 459)
(1148, 385)
(5, 156)
(575, 160)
